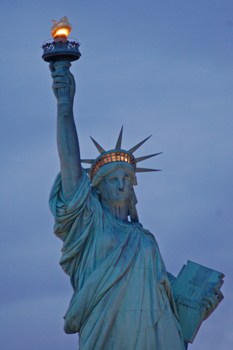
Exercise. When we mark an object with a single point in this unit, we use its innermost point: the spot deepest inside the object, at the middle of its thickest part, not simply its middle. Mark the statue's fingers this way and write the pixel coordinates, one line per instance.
(51, 67)
(219, 294)
(213, 302)
(70, 77)
(206, 303)
(57, 74)
(59, 85)
(61, 79)
(62, 65)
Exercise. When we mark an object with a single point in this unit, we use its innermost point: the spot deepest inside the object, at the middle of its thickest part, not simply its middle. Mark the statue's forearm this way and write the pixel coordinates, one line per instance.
(68, 149)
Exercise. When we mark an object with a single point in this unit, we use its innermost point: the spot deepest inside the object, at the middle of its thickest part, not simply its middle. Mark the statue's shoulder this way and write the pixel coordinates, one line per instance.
(147, 234)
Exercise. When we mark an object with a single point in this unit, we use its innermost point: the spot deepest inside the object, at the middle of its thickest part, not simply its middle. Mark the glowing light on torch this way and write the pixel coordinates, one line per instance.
(61, 29)
(61, 49)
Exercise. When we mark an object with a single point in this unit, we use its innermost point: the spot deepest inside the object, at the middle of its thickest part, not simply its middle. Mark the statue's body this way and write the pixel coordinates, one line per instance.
(122, 296)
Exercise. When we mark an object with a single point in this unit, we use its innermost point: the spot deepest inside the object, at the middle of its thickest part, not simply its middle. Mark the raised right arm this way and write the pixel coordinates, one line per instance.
(67, 138)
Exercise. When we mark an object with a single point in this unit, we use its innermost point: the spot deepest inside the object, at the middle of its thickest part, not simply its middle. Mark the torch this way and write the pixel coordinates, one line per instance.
(61, 49)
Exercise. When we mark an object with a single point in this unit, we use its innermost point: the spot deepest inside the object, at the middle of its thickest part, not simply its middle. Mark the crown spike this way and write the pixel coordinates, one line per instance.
(140, 159)
(133, 149)
(87, 161)
(119, 140)
(145, 170)
(100, 149)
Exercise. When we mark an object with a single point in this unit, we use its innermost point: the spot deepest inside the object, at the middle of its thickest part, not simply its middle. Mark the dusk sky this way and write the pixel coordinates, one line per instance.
(160, 67)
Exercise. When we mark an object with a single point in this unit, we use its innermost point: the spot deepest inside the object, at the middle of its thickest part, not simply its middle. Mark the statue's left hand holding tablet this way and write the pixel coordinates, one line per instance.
(211, 301)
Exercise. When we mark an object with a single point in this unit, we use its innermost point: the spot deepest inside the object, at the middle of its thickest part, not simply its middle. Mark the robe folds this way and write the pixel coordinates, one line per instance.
(122, 298)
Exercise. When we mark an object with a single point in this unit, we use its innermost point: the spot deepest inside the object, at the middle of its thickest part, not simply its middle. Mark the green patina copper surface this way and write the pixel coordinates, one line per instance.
(122, 293)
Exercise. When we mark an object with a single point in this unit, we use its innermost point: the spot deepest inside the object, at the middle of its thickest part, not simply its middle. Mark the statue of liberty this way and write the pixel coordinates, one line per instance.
(122, 295)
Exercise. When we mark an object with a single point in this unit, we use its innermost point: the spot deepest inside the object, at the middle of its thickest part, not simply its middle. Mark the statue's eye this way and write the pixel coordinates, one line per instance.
(112, 179)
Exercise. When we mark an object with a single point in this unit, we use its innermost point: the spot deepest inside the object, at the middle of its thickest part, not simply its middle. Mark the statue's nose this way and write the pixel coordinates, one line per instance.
(121, 184)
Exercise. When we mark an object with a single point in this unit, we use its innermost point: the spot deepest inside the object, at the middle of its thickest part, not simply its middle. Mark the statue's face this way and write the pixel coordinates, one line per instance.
(116, 187)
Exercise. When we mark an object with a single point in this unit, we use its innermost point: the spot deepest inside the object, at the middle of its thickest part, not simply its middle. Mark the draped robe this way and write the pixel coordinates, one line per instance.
(122, 298)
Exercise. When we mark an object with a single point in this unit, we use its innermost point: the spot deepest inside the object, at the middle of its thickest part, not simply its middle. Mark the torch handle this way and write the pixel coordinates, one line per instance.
(63, 82)
(60, 66)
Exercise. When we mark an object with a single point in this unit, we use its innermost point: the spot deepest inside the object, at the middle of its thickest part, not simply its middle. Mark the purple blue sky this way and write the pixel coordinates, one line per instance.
(159, 67)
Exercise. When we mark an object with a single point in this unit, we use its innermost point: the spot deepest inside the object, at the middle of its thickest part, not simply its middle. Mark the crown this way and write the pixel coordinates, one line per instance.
(117, 155)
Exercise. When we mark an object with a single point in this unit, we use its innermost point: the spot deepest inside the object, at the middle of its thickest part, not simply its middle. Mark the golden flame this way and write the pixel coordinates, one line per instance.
(61, 28)
(61, 32)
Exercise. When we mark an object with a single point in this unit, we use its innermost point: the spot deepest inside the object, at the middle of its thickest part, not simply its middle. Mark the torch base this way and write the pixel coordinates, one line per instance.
(61, 51)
